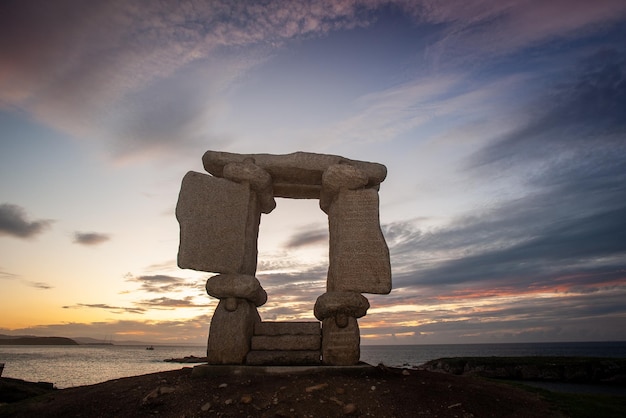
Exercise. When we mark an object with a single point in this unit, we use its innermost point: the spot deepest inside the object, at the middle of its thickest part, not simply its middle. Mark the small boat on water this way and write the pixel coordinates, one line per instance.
(150, 348)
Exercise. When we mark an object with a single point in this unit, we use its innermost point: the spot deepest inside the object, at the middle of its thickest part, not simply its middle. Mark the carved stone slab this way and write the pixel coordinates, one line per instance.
(214, 224)
(340, 345)
(297, 175)
(358, 256)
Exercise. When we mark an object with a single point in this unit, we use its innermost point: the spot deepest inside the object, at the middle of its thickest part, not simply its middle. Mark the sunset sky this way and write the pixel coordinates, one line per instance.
(502, 125)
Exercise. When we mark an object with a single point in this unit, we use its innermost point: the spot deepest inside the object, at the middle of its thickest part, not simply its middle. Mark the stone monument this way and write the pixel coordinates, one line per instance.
(219, 216)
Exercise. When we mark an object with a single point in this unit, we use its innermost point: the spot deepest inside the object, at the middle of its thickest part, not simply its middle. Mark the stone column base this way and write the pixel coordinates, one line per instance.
(231, 331)
(340, 346)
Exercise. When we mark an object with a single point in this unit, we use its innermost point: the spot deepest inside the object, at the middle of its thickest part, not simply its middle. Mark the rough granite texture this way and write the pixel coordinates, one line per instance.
(219, 220)
(231, 332)
(358, 256)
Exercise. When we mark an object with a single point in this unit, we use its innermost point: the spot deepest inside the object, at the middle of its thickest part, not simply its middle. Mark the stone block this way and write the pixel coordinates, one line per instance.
(243, 286)
(219, 223)
(340, 303)
(358, 254)
(260, 181)
(230, 333)
(337, 177)
(283, 358)
(340, 345)
(288, 328)
(286, 342)
(297, 175)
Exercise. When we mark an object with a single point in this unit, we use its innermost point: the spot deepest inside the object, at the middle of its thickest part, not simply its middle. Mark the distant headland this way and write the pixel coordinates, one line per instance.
(32, 340)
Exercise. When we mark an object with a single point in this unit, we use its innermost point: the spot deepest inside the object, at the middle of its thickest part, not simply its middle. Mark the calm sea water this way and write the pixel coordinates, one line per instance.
(67, 366)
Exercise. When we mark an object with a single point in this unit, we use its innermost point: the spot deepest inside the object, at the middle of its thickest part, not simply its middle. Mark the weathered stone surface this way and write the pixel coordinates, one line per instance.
(243, 286)
(358, 254)
(219, 222)
(331, 304)
(337, 177)
(288, 328)
(286, 342)
(231, 332)
(219, 218)
(340, 345)
(344, 176)
(297, 175)
(283, 358)
(260, 181)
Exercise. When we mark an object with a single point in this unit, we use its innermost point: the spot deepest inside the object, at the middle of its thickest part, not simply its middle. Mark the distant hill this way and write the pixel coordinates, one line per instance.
(32, 340)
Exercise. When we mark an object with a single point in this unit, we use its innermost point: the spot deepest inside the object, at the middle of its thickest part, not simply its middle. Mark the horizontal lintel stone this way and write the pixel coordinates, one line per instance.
(294, 174)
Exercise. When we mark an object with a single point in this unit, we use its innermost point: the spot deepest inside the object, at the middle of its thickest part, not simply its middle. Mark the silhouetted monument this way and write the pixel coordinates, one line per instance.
(219, 216)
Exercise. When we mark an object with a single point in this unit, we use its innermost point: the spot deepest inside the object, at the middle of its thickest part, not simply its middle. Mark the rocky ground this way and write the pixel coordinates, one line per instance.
(381, 392)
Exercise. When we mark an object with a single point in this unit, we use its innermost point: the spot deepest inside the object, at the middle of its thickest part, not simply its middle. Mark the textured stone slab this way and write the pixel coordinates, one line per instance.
(218, 225)
(210, 370)
(358, 254)
(230, 333)
(283, 358)
(286, 342)
(243, 286)
(260, 181)
(297, 175)
(212, 213)
(288, 328)
(340, 345)
(330, 304)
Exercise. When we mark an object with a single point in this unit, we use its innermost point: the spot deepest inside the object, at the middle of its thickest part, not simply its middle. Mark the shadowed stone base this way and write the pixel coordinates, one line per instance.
(239, 370)
(230, 332)
(286, 342)
(283, 358)
(340, 346)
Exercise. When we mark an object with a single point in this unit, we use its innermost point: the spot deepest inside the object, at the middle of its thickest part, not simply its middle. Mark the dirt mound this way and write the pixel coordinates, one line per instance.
(383, 392)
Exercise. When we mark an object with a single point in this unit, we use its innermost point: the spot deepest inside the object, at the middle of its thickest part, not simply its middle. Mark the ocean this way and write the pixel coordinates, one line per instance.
(68, 366)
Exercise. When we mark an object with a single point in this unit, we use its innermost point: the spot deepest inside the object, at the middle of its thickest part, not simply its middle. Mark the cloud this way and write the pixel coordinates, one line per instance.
(132, 76)
(14, 222)
(110, 308)
(308, 237)
(161, 283)
(171, 303)
(188, 331)
(90, 238)
(584, 111)
(11, 276)
(8, 276)
(475, 29)
(38, 285)
(144, 80)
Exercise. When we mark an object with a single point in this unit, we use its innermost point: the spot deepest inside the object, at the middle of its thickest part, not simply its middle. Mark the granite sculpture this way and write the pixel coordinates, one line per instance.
(219, 215)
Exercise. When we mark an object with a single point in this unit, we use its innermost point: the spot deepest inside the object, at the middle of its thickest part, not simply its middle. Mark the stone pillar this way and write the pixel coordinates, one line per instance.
(235, 317)
(231, 331)
(358, 253)
(341, 340)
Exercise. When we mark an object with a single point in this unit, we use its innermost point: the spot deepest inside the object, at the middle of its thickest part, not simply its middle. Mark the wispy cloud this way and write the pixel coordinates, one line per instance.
(162, 283)
(110, 308)
(171, 303)
(481, 29)
(14, 222)
(4, 275)
(38, 285)
(193, 330)
(7, 275)
(308, 236)
(144, 79)
(144, 74)
(90, 238)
